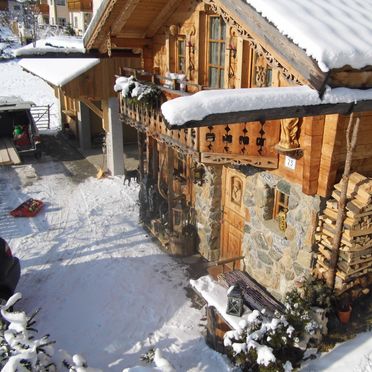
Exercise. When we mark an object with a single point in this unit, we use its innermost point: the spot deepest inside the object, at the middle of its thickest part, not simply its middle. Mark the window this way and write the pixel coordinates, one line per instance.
(263, 74)
(61, 2)
(280, 209)
(216, 51)
(62, 22)
(181, 55)
(76, 22)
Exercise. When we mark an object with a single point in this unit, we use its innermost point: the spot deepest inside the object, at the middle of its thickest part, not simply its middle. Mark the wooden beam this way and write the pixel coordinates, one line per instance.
(332, 143)
(92, 106)
(118, 42)
(257, 161)
(274, 114)
(126, 13)
(165, 13)
(312, 129)
(170, 193)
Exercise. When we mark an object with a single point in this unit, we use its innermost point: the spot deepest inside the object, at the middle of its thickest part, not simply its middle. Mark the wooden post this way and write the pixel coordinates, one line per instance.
(351, 139)
(141, 143)
(170, 156)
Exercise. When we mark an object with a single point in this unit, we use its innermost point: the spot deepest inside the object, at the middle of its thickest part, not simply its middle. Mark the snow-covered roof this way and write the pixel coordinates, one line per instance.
(9, 103)
(53, 44)
(58, 71)
(335, 33)
(198, 106)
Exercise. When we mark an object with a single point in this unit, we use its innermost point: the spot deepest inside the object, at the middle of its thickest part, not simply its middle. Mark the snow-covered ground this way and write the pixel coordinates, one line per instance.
(105, 289)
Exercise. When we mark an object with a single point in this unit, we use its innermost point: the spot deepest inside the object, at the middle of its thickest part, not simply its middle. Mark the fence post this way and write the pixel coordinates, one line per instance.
(48, 116)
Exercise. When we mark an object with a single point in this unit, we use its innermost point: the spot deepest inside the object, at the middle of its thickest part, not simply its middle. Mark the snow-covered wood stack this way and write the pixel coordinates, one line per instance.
(354, 267)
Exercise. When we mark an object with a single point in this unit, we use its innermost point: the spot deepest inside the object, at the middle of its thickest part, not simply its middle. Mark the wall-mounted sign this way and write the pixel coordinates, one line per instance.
(290, 163)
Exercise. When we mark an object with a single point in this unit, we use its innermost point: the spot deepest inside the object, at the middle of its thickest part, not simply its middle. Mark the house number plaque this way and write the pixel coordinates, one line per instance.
(290, 163)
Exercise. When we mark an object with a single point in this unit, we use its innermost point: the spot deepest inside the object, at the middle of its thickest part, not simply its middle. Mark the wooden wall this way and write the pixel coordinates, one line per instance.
(190, 20)
(98, 82)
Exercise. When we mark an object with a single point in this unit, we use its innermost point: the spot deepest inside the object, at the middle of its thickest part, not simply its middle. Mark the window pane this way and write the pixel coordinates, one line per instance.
(223, 30)
(213, 53)
(181, 64)
(213, 77)
(222, 54)
(214, 28)
(181, 47)
(221, 78)
(269, 77)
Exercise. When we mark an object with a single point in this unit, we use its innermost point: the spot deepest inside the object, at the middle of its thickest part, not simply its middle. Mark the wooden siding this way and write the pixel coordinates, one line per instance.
(98, 82)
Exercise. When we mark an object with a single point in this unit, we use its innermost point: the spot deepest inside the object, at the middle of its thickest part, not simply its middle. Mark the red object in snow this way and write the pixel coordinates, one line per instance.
(29, 208)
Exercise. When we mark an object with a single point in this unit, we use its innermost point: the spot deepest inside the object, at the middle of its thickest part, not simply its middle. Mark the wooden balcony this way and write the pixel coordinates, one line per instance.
(43, 9)
(250, 143)
(80, 5)
(150, 120)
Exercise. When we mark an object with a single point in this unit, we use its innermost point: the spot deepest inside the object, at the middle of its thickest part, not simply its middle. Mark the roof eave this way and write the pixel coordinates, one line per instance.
(266, 114)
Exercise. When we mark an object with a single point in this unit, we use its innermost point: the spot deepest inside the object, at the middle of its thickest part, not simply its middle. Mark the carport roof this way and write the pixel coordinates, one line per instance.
(58, 72)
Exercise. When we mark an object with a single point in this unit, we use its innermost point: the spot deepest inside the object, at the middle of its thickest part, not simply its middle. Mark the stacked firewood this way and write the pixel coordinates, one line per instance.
(354, 267)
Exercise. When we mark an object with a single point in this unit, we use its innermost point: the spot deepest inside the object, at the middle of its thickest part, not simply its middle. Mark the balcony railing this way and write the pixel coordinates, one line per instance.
(80, 5)
(43, 8)
(150, 120)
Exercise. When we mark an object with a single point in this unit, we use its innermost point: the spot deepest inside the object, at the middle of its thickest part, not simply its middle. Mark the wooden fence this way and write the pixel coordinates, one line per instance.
(41, 115)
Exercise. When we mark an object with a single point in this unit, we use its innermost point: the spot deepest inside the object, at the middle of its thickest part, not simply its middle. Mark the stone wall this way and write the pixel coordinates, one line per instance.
(274, 258)
(208, 212)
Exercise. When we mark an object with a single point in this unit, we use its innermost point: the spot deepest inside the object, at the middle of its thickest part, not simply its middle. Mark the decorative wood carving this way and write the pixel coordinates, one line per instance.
(256, 161)
(258, 48)
(102, 22)
(236, 190)
(108, 44)
(244, 139)
(260, 141)
(290, 131)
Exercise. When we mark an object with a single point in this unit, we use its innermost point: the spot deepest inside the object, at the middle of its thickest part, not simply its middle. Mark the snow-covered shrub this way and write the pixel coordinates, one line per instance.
(137, 93)
(76, 363)
(274, 344)
(261, 344)
(19, 349)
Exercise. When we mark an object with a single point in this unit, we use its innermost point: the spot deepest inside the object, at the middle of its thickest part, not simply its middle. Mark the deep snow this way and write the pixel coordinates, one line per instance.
(106, 290)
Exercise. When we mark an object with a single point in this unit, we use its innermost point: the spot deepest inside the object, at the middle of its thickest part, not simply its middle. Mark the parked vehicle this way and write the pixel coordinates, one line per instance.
(17, 124)
(10, 271)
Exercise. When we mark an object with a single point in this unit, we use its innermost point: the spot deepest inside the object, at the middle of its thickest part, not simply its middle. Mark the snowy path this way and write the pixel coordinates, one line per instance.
(105, 289)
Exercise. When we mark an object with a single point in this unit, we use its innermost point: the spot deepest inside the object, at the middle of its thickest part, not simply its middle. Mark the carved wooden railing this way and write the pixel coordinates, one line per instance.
(239, 143)
(151, 121)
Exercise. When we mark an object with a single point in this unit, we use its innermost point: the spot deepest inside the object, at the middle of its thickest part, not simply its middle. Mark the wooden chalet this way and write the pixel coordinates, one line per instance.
(244, 186)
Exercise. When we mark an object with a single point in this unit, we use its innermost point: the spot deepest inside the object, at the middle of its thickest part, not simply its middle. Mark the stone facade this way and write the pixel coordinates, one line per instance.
(276, 259)
(208, 212)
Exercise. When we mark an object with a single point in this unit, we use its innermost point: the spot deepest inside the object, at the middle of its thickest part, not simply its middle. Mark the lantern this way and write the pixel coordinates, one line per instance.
(234, 301)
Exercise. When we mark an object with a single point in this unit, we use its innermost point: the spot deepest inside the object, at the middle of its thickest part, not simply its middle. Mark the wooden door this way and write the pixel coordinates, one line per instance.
(234, 213)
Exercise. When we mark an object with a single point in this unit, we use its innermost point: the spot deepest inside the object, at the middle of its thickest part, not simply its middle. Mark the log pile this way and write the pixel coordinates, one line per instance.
(354, 267)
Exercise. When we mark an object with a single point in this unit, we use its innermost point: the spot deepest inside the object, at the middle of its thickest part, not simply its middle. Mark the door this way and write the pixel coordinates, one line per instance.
(234, 213)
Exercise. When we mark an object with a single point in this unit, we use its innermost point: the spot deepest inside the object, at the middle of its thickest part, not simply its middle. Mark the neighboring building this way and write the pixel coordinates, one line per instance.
(64, 14)
(80, 14)
(3, 4)
(242, 172)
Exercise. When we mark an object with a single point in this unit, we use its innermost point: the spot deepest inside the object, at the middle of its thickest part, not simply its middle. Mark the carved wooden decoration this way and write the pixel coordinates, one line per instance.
(289, 133)
(108, 44)
(235, 184)
(236, 191)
